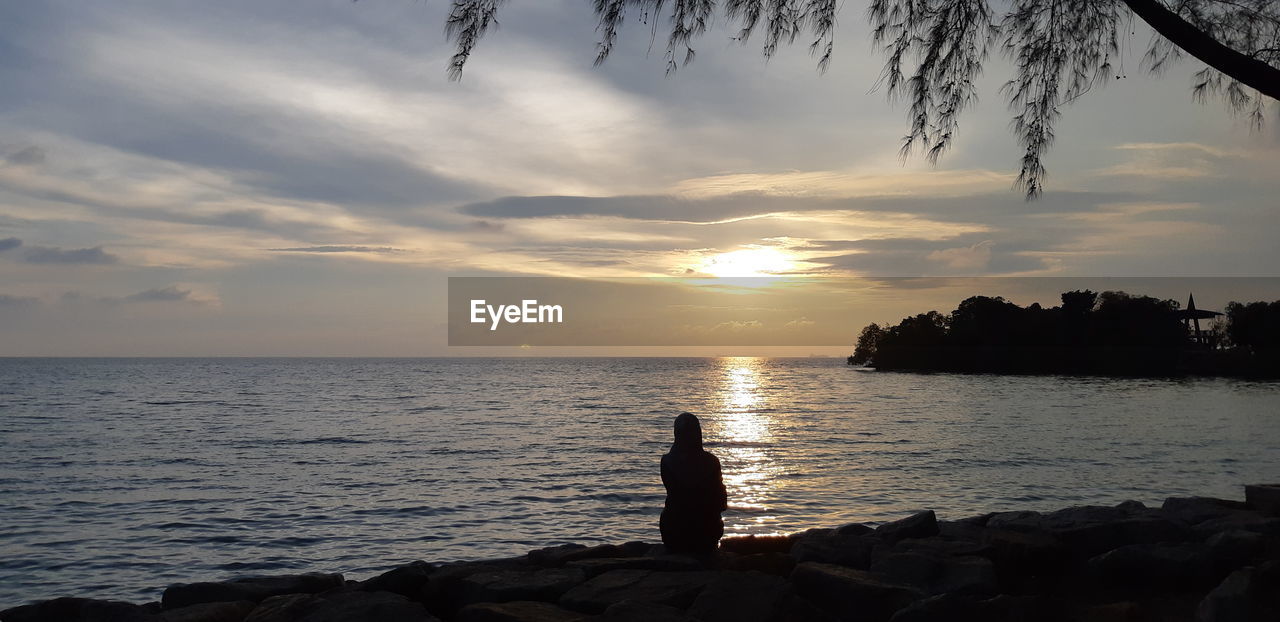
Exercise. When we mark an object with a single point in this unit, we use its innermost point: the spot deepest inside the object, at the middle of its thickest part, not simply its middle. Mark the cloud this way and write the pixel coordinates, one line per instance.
(7, 301)
(27, 156)
(53, 255)
(338, 249)
(9, 243)
(971, 258)
(163, 294)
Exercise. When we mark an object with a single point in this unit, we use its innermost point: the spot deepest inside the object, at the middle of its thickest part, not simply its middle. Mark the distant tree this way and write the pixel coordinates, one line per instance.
(1076, 307)
(1128, 320)
(936, 49)
(865, 350)
(984, 320)
(1255, 325)
(926, 329)
(1078, 302)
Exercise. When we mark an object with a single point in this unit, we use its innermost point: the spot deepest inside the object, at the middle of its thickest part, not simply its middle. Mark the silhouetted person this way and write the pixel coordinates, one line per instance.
(695, 492)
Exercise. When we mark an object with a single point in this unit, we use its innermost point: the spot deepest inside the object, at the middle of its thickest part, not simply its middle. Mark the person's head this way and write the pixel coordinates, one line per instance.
(688, 432)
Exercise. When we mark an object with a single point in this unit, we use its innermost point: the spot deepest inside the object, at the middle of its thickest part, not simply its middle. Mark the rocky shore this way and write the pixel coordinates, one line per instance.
(1190, 559)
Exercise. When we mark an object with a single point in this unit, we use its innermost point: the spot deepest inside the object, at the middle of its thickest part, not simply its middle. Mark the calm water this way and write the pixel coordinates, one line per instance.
(119, 476)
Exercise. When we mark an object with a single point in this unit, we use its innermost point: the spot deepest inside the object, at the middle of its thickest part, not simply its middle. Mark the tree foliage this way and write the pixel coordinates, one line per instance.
(865, 350)
(936, 49)
(1254, 325)
(1084, 319)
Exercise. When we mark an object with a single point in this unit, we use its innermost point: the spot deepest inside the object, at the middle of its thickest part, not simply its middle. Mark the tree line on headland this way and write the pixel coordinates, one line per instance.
(1112, 332)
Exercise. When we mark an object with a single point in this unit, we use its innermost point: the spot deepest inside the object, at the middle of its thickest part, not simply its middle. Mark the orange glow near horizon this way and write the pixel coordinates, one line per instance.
(748, 262)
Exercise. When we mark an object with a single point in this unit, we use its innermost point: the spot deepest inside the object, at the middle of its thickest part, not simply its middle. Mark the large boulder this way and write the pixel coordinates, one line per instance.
(77, 610)
(1250, 594)
(517, 611)
(939, 574)
(443, 593)
(497, 586)
(565, 553)
(971, 608)
(1238, 547)
(235, 611)
(741, 597)
(637, 611)
(675, 589)
(753, 544)
(348, 606)
(828, 547)
(1206, 516)
(666, 562)
(851, 594)
(253, 589)
(1092, 529)
(1196, 510)
(1264, 498)
(360, 606)
(1019, 554)
(779, 564)
(285, 608)
(408, 580)
(1162, 565)
(919, 525)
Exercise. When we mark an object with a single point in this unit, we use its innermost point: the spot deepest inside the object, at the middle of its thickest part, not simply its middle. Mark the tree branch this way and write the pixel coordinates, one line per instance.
(1242, 67)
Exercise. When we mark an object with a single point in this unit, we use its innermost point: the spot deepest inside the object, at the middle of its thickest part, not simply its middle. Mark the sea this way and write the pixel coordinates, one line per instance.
(119, 477)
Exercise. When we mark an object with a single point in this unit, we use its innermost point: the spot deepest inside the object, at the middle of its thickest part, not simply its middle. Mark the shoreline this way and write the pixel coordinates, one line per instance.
(1192, 558)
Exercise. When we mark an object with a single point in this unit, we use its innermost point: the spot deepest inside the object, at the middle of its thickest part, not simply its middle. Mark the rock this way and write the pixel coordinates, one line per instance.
(833, 548)
(498, 586)
(779, 564)
(854, 529)
(935, 574)
(443, 593)
(741, 597)
(634, 611)
(253, 589)
(967, 530)
(565, 553)
(1237, 547)
(235, 611)
(1207, 516)
(555, 555)
(1125, 611)
(1250, 594)
(1195, 510)
(939, 546)
(407, 581)
(285, 608)
(1017, 552)
(1264, 498)
(948, 607)
(368, 607)
(517, 611)
(920, 525)
(1090, 530)
(1168, 564)
(676, 589)
(851, 594)
(77, 610)
(666, 562)
(750, 545)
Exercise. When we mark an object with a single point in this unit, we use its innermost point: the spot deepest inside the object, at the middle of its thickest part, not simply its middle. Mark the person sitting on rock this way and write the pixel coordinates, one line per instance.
(696, 494)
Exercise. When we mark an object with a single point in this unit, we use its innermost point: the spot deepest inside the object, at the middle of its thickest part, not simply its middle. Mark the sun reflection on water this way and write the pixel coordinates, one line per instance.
(743, 437)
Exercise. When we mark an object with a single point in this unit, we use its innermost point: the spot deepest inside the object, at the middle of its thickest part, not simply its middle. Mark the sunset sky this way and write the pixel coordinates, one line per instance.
(256, 178)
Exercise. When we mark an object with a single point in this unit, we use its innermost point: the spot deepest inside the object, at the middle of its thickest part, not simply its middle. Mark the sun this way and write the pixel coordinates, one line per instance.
(748, 262)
